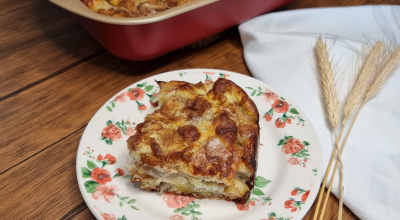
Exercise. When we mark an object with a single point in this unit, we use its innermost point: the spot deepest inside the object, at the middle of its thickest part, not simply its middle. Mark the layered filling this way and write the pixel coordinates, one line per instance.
(173, 180)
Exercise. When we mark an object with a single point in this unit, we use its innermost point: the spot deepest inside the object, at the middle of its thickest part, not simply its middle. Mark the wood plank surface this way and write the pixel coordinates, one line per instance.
(50, 36)
(53, 78)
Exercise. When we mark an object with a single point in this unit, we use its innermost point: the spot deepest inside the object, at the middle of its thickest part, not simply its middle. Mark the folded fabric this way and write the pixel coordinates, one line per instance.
(279, 50)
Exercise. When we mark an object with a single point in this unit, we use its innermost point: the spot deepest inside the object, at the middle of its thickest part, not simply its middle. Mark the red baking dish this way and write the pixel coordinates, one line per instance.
(148, 37)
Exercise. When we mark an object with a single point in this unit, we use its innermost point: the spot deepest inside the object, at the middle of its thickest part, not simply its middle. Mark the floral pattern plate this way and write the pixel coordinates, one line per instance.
(289, 163)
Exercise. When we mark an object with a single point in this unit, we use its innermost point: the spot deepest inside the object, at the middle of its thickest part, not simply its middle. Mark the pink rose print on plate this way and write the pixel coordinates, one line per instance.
(130, 131)
(269, 96)
(268, 116)
(134, 94)
(101, 176)
(224, 76)
(294, 161)
(106, 216)
(294, 192)
(141, 106)
(208, 79)
(292, 146)
(106, 160)
(289, 204)
(242, 207)
(184, 205)
(280, 123)
(106, 192)
(279, 106)
(266, 94)
(176, 217)
(292, 203)
(112, 132)
(119, 172)
(99, 184)
(298, 151)
(174, 201)
(152, 99)
(121, 98)
(115, 129)
(305, 196)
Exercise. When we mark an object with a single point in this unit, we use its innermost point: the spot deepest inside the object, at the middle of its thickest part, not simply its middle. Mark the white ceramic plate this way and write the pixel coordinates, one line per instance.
(289, 163)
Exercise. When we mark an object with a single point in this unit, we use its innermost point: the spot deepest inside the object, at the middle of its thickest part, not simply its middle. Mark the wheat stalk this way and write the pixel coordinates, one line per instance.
(331, 102)
(382, 76)
(353, 101)
(357, 93)
(374, 62)
(377, 84)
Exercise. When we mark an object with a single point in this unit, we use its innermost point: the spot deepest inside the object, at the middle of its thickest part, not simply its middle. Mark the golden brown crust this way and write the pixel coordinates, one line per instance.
(225, 128)
(250, 133)
(189, 133)
(207, 130)
(221, 87)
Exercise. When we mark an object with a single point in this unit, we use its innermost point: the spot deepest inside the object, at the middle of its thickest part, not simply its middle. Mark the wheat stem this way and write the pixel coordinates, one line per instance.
(331, 103)
(341, 177)
(355, 97)
(340, 213)
(336, 164)
(358, 96)
(375, 86)
(327, 174)
(321, 189)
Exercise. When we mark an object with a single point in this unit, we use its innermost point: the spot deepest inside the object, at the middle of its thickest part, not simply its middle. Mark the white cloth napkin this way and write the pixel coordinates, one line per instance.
(279, 50)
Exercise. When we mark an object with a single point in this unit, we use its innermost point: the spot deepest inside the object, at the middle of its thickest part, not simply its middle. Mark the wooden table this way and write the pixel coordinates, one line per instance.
(54, 77)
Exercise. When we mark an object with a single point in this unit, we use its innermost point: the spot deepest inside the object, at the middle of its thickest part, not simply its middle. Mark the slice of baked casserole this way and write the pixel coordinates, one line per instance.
(201, 141)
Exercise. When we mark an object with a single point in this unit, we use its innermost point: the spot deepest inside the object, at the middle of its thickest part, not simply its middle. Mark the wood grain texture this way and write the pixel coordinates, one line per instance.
(53, 78)
(43, 41)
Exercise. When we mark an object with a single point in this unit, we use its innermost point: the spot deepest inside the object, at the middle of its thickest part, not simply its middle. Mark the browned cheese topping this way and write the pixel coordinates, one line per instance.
(203, 130)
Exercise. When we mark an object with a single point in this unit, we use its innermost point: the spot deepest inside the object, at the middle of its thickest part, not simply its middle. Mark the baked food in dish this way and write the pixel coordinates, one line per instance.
(131, 8)
(201, 141)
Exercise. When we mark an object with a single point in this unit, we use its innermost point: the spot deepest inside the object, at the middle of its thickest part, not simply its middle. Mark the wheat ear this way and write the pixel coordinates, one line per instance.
(331, 101)
(353, 101)
(357, 93)
(383, 75)
(377, 84)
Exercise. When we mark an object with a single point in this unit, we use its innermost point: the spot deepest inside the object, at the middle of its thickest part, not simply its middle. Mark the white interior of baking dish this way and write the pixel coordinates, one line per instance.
(77, 7)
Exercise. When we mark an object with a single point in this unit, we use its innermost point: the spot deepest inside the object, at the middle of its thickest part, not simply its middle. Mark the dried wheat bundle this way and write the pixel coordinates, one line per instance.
(380, 63)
